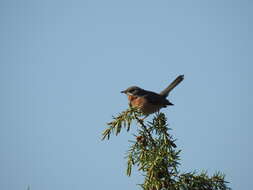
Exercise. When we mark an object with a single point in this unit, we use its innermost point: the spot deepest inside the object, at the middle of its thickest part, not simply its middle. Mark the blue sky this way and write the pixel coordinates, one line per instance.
(64, 63)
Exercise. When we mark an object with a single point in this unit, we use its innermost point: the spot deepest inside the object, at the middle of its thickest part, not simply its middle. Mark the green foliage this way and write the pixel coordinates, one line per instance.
(124, 119)
(155, 155)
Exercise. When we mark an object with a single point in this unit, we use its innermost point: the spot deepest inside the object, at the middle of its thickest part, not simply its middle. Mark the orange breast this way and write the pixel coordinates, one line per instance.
(144, 106)
(136, 101)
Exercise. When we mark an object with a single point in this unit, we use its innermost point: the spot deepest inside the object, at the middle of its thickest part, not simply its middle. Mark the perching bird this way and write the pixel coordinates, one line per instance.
(149, 102)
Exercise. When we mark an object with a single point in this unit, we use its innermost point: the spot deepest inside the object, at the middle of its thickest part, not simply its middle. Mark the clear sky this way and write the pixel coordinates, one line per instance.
(64, 63)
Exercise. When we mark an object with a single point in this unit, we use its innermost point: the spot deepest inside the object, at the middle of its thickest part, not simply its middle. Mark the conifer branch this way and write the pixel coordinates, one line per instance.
(154, 153)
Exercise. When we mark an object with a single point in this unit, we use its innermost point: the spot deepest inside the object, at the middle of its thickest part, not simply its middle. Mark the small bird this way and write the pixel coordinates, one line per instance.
(149, 102)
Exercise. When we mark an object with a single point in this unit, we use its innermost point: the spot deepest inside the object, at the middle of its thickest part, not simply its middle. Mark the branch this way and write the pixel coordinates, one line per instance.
(124, 119)
(141, 122)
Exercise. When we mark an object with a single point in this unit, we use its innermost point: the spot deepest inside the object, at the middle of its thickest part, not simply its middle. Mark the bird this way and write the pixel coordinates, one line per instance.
(149, 102)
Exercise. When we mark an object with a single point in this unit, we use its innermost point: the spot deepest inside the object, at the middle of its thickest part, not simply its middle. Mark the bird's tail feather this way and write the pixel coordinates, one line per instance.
(172, 85)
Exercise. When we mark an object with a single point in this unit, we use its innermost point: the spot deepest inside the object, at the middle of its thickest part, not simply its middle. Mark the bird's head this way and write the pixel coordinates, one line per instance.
(134, 91)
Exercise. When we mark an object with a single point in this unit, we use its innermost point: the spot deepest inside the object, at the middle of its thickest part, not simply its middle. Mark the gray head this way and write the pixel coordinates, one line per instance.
(134, 91)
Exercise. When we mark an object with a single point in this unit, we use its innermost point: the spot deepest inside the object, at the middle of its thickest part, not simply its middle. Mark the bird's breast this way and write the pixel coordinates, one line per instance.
(145, 107)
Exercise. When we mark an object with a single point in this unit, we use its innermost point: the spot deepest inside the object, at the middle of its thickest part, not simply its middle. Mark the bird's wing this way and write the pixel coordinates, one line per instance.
(156, 99)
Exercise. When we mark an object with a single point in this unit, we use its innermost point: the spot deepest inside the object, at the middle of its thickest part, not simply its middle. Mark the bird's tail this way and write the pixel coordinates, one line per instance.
(172, 85)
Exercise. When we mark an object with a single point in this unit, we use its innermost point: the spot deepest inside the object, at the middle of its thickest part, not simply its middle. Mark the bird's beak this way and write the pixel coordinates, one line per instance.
(123, 92)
